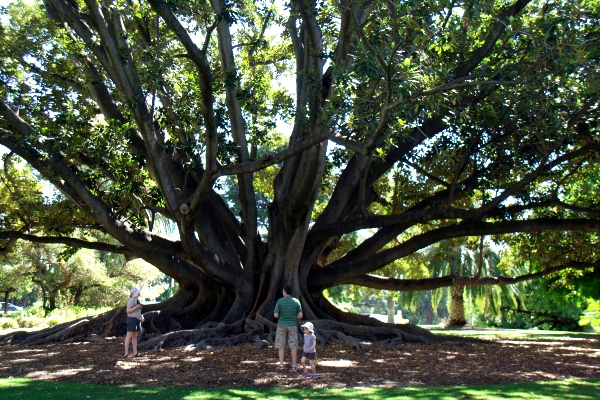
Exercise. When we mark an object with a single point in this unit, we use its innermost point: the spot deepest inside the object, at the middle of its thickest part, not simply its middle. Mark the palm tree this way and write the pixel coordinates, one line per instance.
(464, 257)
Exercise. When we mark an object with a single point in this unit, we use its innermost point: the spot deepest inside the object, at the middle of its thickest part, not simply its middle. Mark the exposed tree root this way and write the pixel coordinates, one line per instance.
(351, 335)
(163, 328)
(71, 333)
(211, 334)
(324, 336)
(207, 344)
(78, 330)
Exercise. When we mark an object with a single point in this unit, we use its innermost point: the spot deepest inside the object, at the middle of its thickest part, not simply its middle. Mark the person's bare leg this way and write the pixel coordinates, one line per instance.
(127, 341)
(313, 367)
(134, 337)
(294, 357)
(281, 357)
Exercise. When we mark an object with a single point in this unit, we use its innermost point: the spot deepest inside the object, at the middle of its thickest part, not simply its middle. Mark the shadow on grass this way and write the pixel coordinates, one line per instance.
(20, 388)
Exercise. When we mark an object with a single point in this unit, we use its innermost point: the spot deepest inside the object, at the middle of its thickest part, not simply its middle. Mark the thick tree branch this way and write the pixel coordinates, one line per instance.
(274, 158)
(429, 209)
(116, 59)
(328, 276)
(229, 69)
(542, 168)
(409, 285)
(67, 241)
(71, 185)
(198, 57)
(501, 22)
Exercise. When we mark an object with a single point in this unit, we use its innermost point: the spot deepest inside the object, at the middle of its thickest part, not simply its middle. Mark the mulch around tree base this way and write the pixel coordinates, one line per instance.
(486, 362)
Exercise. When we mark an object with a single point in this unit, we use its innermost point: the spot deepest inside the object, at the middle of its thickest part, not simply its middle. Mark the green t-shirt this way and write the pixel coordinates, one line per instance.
(288, 309)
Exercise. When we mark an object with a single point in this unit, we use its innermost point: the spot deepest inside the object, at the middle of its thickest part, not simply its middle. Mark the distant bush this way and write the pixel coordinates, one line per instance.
(8, 323)
(74, 312)
(25, 321)
(512, 319)
(35, 317)
(35, 311)
(591, 317)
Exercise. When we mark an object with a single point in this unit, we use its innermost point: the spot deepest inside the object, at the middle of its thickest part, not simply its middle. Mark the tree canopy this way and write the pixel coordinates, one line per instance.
(390, 125)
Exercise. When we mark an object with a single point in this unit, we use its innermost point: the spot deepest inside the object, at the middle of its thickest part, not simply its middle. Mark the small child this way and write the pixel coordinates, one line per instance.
(310, 349)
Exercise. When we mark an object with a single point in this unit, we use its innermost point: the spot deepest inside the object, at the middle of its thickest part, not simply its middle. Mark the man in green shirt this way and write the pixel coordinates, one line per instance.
(287, 311)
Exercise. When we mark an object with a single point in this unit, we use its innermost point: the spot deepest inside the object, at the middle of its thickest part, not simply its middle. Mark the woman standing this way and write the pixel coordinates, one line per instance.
(134, 322)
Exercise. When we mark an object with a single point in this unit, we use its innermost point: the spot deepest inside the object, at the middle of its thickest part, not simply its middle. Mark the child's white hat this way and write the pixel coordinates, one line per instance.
(309, 326)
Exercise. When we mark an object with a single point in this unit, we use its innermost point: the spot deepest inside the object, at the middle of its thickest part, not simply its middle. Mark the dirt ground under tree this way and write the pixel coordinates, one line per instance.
(490, 361)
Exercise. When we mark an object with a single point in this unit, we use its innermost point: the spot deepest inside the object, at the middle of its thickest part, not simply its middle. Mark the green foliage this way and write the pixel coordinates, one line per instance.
(171, 289)
(14, 278)
(8, 323)
(36, 317)
(425, 307)
(264, 191)
(513, 319)
(92, 279)
(588, 284)
(553, 306)
(469, 257)
(21, 199)
(30, 321)
(545, 305)
(36, 310)
(591, 316)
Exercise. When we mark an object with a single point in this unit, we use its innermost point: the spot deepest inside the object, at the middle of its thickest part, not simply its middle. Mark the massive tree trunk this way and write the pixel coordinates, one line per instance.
(179, 112)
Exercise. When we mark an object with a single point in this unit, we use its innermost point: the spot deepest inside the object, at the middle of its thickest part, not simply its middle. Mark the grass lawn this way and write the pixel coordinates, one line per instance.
(514, 333)
(20, 388)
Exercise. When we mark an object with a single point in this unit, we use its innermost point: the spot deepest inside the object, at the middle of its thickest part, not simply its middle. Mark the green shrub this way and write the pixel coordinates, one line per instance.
(35, 311)
(488, 321)
(512, 319)
(71, 313)
(30, 322)
(36, 317)
(8, 323)
(591, 317)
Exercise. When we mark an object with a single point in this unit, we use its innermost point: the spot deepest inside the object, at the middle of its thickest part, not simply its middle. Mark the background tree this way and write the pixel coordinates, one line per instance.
(557, 301)
(475, 258)
(20, 197)
(13, 280)
(484, 113)
(82, 278)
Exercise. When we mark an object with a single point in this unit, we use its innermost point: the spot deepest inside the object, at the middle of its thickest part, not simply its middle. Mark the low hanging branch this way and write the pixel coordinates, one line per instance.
(404, 285)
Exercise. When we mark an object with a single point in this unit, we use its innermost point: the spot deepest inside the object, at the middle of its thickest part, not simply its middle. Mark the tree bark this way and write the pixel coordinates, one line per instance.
(457, 307)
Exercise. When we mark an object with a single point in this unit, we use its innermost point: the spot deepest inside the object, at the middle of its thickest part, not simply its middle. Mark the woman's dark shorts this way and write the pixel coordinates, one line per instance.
(134, 325)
